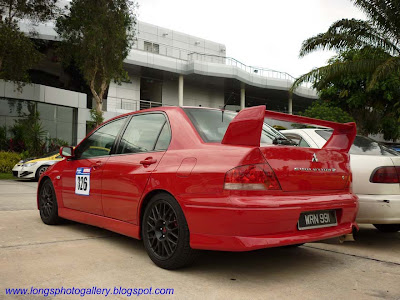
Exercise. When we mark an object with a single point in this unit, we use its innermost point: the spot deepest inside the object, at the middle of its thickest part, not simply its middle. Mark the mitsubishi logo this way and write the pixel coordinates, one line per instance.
(314, 158)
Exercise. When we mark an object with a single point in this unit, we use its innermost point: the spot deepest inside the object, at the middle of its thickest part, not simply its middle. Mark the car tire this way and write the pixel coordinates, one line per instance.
(294, 245)
(40, 171)
(387, 227)
(166, 234)
(48, 206)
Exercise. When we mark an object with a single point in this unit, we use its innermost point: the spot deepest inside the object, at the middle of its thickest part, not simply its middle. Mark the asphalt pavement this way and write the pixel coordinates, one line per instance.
(80, 257)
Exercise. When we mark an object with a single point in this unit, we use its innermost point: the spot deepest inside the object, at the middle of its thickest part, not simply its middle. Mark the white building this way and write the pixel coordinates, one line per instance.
(166, 68)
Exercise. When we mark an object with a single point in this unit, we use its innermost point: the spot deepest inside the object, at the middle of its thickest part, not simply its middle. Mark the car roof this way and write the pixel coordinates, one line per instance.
(164, 109)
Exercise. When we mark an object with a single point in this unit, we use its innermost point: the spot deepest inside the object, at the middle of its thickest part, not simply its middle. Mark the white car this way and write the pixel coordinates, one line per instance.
(33, 168)
(376, 176)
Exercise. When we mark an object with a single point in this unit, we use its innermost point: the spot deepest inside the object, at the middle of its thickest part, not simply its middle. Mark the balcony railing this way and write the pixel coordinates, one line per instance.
(250, 69)
(183, 54)
(114, 103)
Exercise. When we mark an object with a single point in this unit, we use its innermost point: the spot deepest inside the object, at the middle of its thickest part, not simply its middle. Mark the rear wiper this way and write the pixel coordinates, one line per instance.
(283, 141)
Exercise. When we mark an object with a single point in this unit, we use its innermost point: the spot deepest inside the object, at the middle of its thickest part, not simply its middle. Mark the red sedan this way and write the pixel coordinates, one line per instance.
(190, 178)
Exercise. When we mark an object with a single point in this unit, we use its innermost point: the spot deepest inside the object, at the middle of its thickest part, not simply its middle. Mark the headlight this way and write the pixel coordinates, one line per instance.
(29, 165)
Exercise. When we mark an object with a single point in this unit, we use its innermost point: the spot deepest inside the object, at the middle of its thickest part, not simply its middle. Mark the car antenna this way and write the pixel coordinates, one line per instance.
(225, 104)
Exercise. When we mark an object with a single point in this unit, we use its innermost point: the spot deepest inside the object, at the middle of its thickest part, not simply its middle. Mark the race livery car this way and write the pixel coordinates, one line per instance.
(190, 178)
(33, 168)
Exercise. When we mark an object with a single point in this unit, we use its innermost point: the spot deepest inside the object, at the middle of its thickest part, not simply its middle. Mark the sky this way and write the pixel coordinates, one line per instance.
(259, 33)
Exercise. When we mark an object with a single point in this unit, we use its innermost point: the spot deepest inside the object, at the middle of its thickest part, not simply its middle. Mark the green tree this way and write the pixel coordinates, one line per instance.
(375, 109)
(381, 30)
(327, 111)
(98, 35)
(17, 51)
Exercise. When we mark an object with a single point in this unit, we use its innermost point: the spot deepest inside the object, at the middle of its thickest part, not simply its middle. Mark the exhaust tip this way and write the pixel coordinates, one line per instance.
(351, 237)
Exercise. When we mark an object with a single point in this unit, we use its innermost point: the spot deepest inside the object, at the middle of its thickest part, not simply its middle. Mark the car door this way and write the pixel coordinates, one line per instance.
(81, 177)
(125, 175)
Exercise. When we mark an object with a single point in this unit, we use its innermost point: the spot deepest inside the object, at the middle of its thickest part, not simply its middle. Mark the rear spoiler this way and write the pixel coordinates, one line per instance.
(245, 129)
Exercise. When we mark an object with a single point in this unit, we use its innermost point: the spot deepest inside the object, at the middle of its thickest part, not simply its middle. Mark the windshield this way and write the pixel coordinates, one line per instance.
(363, 145)
(212, 124)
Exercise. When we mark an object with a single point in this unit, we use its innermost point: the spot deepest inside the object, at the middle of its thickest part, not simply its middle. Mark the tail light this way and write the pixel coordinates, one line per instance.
(385, 175)
(349, 182)
(251, 177)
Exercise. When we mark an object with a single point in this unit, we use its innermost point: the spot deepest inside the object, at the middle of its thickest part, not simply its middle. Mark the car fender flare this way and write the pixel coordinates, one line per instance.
(146, 198)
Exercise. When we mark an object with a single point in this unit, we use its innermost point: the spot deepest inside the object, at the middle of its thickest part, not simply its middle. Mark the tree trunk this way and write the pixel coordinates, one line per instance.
(98, 96)
(99, 100)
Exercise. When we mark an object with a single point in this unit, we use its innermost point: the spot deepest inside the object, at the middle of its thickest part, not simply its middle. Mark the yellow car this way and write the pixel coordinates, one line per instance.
(32, 168)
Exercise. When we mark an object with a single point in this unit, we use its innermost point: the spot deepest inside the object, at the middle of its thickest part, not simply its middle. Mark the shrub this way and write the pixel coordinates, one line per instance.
(54, 144)
(8, 161)
(28, 135)
(3, 138)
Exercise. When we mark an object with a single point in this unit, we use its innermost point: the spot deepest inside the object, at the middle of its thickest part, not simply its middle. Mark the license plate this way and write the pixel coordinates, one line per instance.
(317, 219)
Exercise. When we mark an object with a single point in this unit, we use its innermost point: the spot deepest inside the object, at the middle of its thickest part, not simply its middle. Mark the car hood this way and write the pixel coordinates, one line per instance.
(50, 158)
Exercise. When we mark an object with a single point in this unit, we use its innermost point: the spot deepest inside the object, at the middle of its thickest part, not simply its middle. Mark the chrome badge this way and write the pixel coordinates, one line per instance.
(315, 169)
(314, 158)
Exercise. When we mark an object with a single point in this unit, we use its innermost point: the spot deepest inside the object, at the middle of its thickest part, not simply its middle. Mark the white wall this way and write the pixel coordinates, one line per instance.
(42, 93)
(124, 96)
(175, 44)
(193, 95)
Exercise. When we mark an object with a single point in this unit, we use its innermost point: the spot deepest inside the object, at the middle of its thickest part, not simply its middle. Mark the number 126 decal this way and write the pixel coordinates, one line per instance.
(82, 181)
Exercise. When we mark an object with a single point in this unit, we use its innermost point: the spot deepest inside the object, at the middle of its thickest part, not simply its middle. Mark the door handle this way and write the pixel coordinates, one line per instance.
(97, 165)
(148, 161)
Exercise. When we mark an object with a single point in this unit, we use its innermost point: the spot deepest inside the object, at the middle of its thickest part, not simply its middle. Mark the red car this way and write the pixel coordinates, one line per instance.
(190, 178)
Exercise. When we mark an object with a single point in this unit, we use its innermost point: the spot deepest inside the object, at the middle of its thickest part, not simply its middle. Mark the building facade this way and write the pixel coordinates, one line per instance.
(166, 67)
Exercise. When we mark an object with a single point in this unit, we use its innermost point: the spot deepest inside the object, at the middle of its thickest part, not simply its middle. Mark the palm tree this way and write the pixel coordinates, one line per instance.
(380, 30)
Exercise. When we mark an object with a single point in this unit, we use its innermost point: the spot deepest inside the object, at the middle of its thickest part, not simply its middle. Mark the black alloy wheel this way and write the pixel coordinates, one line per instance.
(162, 229)
(48, 207)
(165, 233)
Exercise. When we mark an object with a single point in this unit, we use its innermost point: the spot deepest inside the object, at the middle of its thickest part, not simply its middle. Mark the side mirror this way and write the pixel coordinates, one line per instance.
(67, 152)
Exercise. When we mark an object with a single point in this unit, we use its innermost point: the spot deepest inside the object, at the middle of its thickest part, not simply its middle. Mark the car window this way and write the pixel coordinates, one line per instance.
(294, 137)
(298, 140)
(164, 138)
(363, 145)
(101, 141)
(142, 133)
(212, 124)
(303, 143)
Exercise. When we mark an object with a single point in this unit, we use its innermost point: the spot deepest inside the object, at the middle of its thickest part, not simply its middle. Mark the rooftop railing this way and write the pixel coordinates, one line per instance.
(250, 69)
(183, 54)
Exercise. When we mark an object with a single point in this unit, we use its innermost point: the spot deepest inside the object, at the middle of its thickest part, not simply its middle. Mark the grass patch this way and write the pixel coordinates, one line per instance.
(4, 176)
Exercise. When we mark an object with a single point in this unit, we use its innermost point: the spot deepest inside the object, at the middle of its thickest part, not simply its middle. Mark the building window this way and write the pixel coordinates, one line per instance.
(156, 48)
(58, 122)
(151, 47)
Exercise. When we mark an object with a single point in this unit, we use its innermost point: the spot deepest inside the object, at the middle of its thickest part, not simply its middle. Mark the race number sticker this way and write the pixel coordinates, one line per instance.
(82, 181)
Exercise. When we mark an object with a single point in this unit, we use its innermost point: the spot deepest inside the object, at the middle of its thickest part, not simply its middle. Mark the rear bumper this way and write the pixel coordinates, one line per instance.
(245, 228)
(247, 243)
(379, 209)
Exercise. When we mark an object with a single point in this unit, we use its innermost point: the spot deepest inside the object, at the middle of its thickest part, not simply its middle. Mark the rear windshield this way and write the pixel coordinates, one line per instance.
(363, 145)
(212, 124)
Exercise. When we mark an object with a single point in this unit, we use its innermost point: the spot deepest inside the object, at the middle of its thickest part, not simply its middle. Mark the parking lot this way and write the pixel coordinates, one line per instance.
(75, 255)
